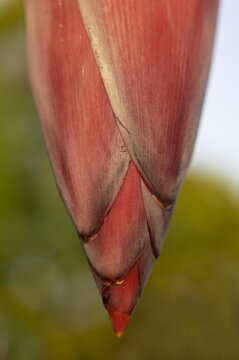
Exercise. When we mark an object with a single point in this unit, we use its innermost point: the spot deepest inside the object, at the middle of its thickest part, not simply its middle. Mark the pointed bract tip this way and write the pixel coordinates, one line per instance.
(120, 321)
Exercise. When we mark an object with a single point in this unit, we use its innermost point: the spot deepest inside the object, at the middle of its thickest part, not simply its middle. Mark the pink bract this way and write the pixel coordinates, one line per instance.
(119, 87)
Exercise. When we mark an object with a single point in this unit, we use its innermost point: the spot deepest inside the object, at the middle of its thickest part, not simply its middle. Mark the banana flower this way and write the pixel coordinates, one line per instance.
(119, 86)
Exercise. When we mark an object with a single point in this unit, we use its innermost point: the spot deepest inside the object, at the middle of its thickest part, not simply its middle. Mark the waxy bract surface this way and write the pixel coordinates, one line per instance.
(119, 87)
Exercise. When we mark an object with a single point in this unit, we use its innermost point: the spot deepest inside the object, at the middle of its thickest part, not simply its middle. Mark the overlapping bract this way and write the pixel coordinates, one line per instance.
(119, 87)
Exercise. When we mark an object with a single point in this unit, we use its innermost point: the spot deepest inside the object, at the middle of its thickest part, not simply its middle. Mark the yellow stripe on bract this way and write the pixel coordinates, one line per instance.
(89, 238)
(161, 203)
(102, 58)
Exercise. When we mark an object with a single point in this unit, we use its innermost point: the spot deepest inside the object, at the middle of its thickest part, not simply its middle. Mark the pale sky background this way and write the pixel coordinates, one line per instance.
(217, 146)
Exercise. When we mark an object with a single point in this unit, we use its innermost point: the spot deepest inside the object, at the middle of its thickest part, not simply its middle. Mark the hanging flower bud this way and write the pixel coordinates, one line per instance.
(119, 87)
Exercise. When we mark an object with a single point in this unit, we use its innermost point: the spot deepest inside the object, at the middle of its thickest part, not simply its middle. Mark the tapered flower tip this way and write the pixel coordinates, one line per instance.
(120, 296)
(120, 322)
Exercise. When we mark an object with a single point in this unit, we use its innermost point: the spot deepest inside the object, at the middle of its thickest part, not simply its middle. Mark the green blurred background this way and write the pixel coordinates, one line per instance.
(50, 308)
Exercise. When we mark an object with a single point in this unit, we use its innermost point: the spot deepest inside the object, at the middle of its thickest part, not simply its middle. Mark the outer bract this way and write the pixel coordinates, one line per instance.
(119, 87)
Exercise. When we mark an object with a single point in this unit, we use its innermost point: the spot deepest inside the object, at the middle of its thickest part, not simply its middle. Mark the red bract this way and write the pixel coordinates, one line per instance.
(119, 87)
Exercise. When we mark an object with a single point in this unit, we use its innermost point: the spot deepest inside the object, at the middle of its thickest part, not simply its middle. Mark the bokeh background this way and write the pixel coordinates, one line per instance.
(50, 308)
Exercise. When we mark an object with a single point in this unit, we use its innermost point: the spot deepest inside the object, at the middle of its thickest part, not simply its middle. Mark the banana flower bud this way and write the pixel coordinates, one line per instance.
(119, 86)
